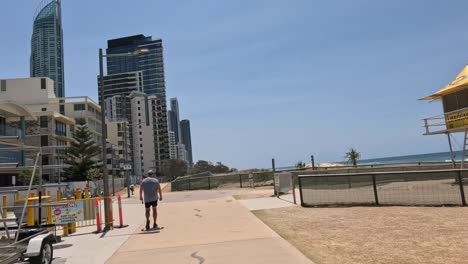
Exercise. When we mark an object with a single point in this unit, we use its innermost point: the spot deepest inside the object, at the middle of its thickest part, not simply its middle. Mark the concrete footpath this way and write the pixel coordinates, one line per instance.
(199, 227)
(214, 230)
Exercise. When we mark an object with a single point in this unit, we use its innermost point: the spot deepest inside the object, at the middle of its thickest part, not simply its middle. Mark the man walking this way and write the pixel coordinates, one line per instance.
(150, 186)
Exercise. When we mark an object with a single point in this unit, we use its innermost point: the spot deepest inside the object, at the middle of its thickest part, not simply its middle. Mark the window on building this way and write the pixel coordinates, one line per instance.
(140, 132)
(139, 114)
(44, 121)
(121, 152)
(44, 141)
(141, 145)
(120, 143)
(45, 160)
(79, 107)
(62, 109)
(139, 109)
(43, 84)
(80, 121)
(60, 128)
(43, 109)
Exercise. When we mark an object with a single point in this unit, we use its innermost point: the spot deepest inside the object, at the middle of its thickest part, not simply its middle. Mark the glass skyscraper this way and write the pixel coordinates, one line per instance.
(47, 45)
(152, 66)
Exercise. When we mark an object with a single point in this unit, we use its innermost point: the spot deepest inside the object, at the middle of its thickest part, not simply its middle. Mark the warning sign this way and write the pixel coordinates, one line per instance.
(70, 213)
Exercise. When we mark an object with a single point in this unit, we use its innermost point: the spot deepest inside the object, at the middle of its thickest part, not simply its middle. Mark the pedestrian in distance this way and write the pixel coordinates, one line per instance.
(149, 190)
(132, 188)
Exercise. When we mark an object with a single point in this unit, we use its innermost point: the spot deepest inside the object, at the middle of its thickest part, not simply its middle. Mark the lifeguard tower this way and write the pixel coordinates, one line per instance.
(454, 99)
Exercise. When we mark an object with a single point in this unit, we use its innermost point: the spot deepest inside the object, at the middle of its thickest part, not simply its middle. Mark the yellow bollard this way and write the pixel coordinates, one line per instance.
(86, 194)
(59, 195)
(30, 210)
(78, 193)
(65, 230)
(49, 210)
(5, 204)
(17, 196)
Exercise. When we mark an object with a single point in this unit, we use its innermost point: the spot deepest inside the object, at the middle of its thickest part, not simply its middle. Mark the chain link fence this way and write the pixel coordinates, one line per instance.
(227, 181)
(439, 187)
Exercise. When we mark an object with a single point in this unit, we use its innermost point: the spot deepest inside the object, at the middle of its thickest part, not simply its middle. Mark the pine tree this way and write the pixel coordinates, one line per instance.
(81, 155)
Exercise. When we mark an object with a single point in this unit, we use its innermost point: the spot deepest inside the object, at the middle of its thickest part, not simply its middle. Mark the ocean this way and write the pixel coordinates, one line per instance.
(429, 157)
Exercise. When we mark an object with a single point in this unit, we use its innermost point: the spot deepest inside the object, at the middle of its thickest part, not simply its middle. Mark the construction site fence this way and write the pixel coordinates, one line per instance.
(419, 188)
(228, 181)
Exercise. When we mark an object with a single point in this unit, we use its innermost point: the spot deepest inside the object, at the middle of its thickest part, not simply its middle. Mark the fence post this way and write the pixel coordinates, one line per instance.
(190, 184)
(462, 191)
(300, 190)
(293, 184)
(240, 180)
(209, 183)
(5, 204)
(376, 195)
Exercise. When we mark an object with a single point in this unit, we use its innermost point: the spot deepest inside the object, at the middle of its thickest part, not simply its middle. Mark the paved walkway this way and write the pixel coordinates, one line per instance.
(213, 230)
(199, 227)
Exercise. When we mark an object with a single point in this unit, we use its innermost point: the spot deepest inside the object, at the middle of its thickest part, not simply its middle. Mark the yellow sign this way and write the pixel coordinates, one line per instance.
(456, 119)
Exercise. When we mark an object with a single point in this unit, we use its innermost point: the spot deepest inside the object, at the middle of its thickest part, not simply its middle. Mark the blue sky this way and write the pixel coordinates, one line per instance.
(267, 78)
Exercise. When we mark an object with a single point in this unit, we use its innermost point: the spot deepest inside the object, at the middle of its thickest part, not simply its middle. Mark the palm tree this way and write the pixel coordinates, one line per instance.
(352, 156)
(300, 165)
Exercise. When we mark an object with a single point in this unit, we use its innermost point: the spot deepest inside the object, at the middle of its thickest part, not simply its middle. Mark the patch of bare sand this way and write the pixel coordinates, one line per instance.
(374, 234)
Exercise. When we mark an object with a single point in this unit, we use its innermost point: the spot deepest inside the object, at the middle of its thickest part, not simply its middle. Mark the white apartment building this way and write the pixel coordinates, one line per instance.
(118, 134)
(172, 145)
(143, 138)
(50, 128)
(37, 95)
(181, 152)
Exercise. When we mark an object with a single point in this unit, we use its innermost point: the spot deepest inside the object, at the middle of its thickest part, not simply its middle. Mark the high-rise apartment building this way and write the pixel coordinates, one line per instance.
(147, 151)
(186, 139)
(151, 65)
(47, 45)
(174, 124)
(172, 146)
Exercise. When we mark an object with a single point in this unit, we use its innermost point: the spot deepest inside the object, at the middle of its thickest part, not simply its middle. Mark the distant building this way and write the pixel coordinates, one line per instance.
(186, 139)
(150, 148)
(151, 65)
(181, 152)
(47, 45)
(112, 159)
(174, 124)
(118, 134)
(172, 145)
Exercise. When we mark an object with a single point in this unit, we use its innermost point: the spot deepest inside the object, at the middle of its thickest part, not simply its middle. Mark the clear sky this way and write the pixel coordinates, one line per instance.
(274, 78)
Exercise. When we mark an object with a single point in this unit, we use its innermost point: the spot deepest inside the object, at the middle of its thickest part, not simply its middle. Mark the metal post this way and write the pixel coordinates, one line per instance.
(40, 189)
(462, 190)
(293, 184)
(313, 161)
(274, 180)
(451, 150)
(464, 149)
(209, 183)
(300, 190)
(376, 195)
(240, 180)
(103, 139)
(190, 184)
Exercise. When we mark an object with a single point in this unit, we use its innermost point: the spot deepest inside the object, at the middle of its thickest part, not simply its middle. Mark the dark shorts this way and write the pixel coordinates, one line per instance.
(153, 204)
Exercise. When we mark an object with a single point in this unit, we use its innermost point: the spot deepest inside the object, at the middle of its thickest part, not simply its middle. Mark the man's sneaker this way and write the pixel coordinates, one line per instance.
(147, 225)
(155, 226)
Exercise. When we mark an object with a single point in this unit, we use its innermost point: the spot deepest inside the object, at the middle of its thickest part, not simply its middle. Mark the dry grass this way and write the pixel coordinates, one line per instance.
(374, 234)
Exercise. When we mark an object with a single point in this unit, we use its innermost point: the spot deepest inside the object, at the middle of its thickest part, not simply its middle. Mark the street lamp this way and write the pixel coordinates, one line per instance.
(104, 128)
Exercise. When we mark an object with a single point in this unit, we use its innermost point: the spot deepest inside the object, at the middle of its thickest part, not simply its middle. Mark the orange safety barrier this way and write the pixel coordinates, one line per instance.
(98, 215)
